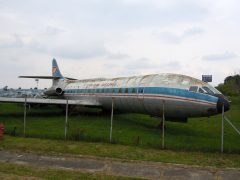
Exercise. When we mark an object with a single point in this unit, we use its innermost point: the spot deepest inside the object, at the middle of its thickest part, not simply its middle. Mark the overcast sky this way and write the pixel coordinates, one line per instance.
(111, 38)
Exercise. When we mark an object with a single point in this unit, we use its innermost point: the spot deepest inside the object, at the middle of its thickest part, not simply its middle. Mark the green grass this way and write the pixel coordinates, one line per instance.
(13, 171)
(74, 148)
(200, 134)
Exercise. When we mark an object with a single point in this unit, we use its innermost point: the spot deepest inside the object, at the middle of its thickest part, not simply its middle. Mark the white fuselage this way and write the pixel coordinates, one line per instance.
(183, 96)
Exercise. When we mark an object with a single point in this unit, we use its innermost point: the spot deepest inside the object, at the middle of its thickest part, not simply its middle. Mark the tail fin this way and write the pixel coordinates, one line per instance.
(55, 70)
(56, 74)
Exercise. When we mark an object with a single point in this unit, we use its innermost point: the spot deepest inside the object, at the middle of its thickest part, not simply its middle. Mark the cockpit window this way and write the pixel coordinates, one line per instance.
(214, 90)
(193, 88)
(201, 90)
(208, 90)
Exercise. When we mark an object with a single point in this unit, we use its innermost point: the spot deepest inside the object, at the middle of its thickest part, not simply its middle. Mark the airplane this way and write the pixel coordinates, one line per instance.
(19, 93)
(183, 96)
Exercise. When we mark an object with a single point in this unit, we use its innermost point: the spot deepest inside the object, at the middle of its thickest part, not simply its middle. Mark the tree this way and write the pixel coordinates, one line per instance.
(231, 86)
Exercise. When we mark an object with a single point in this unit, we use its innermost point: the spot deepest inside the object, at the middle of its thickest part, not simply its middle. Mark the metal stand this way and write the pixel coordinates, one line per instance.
(66, 120)
(24, 117)
(111, 120)
(163, 125)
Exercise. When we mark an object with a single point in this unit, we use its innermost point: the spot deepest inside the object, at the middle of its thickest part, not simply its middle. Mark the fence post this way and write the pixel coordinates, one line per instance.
(111, 121)
(66, 120)
(222, 138)
(24, 117)
(163, 124)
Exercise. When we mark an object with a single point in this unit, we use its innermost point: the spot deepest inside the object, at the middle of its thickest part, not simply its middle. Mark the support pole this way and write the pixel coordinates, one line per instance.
(66, 120)
(24, 118)
(111, 120)
(163, 124)
(222, 138)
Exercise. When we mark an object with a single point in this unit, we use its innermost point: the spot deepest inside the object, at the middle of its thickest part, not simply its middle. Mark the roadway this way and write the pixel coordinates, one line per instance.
(117, 167)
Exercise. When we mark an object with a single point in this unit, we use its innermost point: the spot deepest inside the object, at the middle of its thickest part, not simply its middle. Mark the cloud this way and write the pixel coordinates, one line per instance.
(117, 56)
(53, 30)
(105, 37)
(79, 53)
(115, 14)
(147, 66)
(172, 65)
(137, 15)
(220, 57)
(57, 42)
(173, 37)
(142, 63)
(169, 37)
(193, 31)
(11, 41)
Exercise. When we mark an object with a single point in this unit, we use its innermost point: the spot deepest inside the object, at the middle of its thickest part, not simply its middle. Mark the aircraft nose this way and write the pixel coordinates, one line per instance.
(222, 101)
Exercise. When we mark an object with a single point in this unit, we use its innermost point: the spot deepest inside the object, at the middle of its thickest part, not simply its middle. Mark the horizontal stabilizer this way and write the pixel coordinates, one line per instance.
(45, 77)
(70, 78)
(41, 77)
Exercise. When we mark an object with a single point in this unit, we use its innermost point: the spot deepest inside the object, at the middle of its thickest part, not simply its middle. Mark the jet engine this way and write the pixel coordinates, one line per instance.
(54, 92)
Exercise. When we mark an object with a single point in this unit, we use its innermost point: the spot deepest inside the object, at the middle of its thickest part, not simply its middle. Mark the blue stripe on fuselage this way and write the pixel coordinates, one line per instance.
(180, 93)
(147, 90)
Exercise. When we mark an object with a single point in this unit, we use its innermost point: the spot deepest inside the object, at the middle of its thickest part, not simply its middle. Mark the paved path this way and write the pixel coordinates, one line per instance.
(149, 170)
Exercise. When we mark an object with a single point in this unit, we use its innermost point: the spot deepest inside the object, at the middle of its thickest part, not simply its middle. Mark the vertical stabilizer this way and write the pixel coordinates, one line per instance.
(55, 70)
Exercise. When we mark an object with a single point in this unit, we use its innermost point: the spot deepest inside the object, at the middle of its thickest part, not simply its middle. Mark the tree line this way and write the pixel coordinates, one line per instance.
(231, 86)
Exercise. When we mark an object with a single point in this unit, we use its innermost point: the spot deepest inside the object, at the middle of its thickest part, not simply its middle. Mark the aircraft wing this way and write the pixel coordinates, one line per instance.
(50, 101)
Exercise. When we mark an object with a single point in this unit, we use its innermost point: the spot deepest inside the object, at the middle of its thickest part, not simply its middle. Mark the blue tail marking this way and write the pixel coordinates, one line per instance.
(55, 70)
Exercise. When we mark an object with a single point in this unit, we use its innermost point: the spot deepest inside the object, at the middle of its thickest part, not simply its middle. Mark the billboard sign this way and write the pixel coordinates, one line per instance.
(207, 78)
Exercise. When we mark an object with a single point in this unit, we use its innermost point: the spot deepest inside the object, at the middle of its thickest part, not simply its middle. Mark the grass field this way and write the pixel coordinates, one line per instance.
(124, 152)
(200, 134)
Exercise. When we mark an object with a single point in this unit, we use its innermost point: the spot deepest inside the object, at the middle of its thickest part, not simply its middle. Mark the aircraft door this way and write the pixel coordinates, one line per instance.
(133, 103)
(144, 82)
(140, 93)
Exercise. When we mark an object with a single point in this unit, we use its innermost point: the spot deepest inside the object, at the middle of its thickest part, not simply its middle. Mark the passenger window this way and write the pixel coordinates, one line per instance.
(193, 88)
(133, 90)
(126, 90)
(140, 90)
